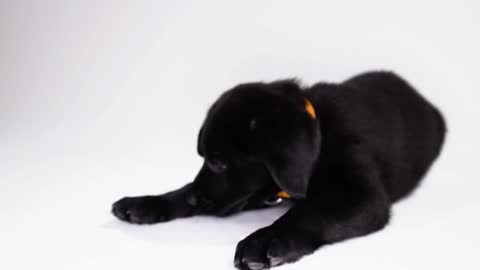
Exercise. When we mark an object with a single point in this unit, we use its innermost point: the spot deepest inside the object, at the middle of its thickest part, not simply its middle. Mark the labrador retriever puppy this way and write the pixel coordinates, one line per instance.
(342, 154)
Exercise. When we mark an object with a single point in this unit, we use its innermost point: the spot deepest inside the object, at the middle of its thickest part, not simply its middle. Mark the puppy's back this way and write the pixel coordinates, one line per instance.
(419, 128)
(402, 130)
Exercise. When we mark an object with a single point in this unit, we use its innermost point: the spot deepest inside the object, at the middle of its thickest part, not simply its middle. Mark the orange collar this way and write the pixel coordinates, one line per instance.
(310, 109)
(283, 195)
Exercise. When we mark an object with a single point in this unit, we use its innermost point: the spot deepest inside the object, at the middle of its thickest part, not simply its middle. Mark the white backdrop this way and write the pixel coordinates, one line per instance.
(102, 99)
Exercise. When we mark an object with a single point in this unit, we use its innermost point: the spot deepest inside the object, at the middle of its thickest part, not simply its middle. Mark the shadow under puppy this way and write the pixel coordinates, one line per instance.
(342, 153)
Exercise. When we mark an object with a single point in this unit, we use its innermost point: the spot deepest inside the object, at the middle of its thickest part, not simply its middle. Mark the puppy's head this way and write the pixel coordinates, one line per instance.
(255, 137)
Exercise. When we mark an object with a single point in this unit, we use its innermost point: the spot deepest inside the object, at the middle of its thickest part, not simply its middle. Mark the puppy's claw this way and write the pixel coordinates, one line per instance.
(274, 261)
(256, 265)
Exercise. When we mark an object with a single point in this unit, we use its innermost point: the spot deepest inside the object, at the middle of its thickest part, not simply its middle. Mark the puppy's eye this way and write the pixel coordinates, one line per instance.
(253, 124)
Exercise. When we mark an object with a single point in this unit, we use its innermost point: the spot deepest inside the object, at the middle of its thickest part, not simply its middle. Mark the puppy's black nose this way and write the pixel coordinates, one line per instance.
(217, 166)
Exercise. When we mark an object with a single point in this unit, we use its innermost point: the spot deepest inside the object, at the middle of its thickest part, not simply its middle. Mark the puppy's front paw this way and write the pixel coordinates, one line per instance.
(269, 247)
(142, 210)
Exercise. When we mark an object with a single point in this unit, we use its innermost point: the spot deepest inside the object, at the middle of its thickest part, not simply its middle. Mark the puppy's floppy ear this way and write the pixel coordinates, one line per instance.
(290, 141)
(291, 159)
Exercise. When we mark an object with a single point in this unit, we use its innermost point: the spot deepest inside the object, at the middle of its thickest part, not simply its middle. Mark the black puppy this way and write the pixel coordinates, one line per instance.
(342, 153)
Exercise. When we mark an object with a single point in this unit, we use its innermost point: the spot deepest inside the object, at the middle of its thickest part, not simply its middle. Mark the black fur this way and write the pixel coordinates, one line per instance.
(373, 140)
